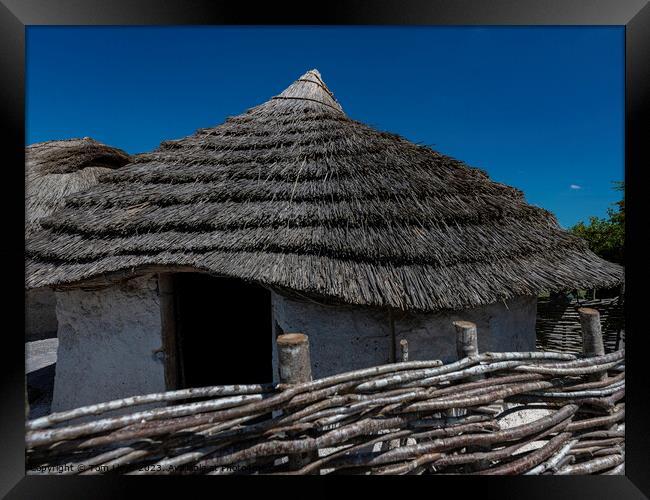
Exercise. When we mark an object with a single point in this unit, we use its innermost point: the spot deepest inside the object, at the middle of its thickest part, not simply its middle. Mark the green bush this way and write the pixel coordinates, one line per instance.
(606, 237)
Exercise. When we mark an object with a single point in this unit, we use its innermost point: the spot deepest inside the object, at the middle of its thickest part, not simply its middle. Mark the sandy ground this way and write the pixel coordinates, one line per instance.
(40, 360)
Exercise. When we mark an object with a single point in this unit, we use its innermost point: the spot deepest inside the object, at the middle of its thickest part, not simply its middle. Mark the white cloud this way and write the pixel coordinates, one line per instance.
(575, 186)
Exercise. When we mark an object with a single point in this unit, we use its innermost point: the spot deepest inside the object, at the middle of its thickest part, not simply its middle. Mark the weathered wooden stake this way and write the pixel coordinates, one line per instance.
(592, 337)
(294, 363)
(466, 339)
(466, 346)
(404, 347)
(293, 358)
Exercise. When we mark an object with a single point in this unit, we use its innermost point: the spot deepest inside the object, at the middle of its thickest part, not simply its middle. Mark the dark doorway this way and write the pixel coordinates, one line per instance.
(223, 330)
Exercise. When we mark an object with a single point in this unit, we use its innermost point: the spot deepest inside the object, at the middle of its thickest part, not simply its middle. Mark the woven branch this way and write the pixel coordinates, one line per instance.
(391, 419)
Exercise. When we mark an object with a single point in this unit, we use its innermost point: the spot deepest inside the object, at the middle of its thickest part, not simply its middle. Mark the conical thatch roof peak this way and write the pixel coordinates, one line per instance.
(295, 195)
(309, 88)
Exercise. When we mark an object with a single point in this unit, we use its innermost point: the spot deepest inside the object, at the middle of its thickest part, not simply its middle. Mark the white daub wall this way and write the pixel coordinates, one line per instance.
(343, 338)
(108, 344)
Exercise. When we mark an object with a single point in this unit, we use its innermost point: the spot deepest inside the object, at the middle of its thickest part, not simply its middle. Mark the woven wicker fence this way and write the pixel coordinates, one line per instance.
(491, 413)
(558, 324)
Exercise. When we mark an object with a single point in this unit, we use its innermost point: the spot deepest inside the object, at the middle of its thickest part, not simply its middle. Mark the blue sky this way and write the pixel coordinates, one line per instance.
(541, 109)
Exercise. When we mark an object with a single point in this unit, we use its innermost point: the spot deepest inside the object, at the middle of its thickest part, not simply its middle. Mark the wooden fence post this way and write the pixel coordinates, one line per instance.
(466, 339)
(467, 342)
(294, 364)
(466, 346)
(293, 358)
(592, 337)
(404, 348)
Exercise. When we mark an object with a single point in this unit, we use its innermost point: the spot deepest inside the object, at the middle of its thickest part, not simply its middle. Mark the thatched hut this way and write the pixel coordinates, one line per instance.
(53, 170)
(316, 223)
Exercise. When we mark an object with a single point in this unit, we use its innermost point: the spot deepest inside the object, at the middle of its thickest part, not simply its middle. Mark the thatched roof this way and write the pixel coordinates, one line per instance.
(55, 169)
(294, 194)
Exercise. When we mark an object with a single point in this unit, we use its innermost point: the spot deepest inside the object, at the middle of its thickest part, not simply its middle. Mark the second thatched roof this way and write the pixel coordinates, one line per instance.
(56, 169)
(294, 194)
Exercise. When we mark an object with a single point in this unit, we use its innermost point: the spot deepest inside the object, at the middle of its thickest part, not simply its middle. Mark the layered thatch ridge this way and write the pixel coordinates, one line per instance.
(296, 195)
(56, 169)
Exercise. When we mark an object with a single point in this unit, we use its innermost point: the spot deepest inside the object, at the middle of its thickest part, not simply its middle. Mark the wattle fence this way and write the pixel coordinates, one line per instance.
(492, 413)
(558, 324)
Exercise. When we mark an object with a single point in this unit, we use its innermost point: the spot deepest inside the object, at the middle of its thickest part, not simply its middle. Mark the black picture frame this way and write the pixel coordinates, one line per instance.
(15, 15)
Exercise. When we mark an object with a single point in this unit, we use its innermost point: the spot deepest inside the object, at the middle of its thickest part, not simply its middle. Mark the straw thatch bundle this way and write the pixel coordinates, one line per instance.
(55, 169)
(294, 194)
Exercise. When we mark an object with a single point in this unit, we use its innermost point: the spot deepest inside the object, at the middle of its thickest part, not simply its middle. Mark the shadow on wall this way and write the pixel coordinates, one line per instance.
(40, 314)
(40, 387)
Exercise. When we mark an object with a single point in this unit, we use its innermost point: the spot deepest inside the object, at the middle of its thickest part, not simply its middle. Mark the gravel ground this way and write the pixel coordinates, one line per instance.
(520, 418)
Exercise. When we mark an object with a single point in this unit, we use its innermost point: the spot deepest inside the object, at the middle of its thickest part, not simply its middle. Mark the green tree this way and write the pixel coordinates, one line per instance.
(606, 237)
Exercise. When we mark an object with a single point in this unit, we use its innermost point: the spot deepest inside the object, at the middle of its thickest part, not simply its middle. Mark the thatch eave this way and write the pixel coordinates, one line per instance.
(296, 196)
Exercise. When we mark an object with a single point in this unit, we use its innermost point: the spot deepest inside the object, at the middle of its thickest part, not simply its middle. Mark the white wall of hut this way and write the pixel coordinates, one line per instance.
(109, 344)
(343, 338)
(110, 339)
